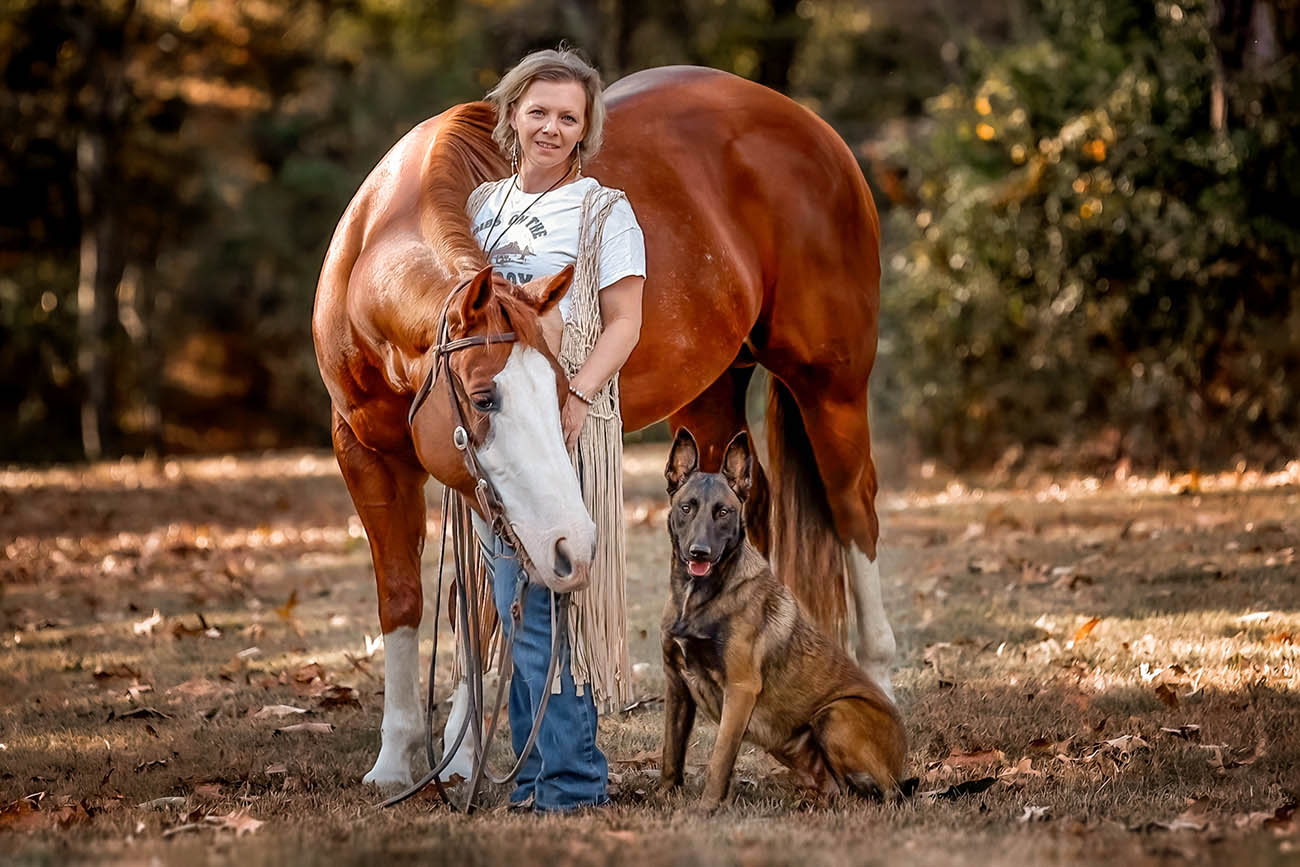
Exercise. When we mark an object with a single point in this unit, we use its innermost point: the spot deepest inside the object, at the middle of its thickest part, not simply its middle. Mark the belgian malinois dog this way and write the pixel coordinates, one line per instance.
(737, 645)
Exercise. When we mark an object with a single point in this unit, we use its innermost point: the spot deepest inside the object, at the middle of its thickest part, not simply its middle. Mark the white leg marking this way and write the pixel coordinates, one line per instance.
(403, 719)
(876, 646)
(463, 762)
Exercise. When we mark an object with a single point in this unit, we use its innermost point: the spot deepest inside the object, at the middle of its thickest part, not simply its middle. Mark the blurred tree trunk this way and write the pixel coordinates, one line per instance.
(779, 43)
(100, 193)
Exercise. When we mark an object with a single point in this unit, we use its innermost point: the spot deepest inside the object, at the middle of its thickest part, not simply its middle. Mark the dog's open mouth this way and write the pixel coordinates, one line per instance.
(699, 568)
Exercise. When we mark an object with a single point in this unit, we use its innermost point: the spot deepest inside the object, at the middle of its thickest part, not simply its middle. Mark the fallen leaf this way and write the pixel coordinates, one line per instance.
(276, 768)
(1128, 744)
(197, 687)
(119, 669)
(307, 673)
(1166, 694)
(286, 610)
(1280, 638)
(973, 758)
(208, 791)
(146, 626)
(338, 696)
(172, 803)
(1084, 631)
(315, 728)
(1186, 732)
(275, 711)
(142, 713)
(646, 758)
(1035, 814)
(1024, 767)
(20, 815)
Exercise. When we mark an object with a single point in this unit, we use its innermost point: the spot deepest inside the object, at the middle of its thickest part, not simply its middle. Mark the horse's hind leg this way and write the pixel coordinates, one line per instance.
(388, 493)
(713, 419)
(832, 405)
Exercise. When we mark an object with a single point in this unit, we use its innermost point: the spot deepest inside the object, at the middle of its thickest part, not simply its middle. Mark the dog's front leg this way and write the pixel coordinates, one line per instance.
(679, 718)
(737, 705)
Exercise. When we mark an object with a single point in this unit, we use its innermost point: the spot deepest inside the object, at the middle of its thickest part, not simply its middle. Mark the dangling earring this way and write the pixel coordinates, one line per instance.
(579, 159)
(514, 155)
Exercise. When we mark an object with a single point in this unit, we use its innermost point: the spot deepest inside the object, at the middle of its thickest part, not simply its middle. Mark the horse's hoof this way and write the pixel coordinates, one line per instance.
(388, 780)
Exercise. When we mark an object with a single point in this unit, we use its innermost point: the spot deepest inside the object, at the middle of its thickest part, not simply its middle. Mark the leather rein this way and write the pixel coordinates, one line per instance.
(467, 599)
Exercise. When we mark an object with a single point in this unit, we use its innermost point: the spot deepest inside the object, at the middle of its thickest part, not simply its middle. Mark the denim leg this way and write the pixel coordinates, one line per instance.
(567, 769)
(505, 570)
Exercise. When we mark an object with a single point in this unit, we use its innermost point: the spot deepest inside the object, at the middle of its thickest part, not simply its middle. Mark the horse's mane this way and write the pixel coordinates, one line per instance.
(463, 156)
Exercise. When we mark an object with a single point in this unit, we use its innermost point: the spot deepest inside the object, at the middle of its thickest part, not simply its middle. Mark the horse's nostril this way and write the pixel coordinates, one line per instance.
(563, 563)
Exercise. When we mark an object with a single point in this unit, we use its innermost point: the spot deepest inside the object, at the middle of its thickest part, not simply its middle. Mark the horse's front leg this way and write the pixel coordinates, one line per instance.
(388, 493)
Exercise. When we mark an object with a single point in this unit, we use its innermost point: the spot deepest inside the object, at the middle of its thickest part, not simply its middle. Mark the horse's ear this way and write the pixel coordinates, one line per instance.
(551, 289)
(474, 300)
(683, 459)
(738, 464)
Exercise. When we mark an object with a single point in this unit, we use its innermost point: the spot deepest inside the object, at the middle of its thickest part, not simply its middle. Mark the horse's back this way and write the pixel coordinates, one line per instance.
(762, 236)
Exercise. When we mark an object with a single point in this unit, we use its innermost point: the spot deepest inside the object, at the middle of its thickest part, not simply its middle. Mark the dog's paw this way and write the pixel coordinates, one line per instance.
(707, 806)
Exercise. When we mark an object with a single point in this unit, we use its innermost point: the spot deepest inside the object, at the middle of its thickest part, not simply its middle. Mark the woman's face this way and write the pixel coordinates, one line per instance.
(550, 118)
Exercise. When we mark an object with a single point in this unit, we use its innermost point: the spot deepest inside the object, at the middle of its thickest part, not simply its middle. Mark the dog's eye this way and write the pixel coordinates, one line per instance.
(722, 512)
(686, 508)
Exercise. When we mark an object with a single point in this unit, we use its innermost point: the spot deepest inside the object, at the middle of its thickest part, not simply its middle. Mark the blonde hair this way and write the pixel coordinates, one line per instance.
(562, 64)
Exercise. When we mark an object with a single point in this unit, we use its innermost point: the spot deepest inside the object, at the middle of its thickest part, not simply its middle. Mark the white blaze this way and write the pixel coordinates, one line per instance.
(525, 460)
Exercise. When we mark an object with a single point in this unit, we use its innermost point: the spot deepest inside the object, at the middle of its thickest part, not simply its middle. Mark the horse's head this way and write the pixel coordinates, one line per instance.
(509, 396)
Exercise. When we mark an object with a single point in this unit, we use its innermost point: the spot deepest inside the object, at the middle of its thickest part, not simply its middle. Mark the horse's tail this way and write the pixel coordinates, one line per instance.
(806, 553)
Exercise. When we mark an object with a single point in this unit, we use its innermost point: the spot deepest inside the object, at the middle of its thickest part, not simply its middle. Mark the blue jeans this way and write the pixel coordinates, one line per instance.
(565, 768)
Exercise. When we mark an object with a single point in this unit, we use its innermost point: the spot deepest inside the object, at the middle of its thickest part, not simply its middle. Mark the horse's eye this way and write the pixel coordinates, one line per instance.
(485, 401)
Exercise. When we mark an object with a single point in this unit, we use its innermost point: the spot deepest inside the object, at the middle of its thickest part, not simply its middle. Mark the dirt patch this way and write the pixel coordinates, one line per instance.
(190, 670)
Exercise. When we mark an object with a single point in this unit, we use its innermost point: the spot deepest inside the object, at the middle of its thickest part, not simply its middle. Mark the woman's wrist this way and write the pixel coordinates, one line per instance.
(580, 395)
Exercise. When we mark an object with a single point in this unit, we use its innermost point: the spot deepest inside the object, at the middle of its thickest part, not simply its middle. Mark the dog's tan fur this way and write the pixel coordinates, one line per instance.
(737, 645)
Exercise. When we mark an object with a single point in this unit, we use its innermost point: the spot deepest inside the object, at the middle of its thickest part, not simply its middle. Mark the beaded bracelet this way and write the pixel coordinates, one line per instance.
(579, 395)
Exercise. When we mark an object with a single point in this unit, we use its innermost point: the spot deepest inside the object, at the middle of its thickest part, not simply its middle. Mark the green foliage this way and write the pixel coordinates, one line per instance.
(1090, 261)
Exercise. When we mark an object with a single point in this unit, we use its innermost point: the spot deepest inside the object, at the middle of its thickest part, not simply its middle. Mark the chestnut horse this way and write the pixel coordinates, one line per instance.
(762, 245)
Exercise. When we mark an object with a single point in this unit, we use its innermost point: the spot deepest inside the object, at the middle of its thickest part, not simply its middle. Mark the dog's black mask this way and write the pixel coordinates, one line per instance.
(705, 517)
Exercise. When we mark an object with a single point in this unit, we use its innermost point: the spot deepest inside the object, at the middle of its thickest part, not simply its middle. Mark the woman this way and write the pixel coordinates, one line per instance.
(543, 217)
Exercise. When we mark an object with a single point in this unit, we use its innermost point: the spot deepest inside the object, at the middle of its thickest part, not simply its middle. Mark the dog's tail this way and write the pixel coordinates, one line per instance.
(806, 553)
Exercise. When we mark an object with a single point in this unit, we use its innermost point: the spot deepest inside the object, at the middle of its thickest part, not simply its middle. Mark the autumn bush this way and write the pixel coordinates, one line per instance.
(1101, 259)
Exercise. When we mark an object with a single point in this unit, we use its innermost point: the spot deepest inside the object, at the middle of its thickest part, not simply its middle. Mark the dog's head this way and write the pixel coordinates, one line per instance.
(705, 520)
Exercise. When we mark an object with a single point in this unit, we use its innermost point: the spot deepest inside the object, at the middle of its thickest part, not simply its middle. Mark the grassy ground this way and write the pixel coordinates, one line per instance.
(1123, 659)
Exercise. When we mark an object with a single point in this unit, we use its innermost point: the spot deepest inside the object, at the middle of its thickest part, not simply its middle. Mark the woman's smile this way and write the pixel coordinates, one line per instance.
(550, 120)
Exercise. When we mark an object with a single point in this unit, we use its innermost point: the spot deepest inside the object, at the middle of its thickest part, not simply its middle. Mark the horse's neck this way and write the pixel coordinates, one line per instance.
(461, 158)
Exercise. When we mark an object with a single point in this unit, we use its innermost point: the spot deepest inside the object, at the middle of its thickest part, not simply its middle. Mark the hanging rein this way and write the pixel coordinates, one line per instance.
(467, 597)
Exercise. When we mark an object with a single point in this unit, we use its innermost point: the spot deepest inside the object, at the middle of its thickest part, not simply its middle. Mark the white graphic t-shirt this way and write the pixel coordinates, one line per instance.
(532, 237)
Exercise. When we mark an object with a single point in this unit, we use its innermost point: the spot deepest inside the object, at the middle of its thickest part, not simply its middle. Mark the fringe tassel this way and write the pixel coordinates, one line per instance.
(598, 615)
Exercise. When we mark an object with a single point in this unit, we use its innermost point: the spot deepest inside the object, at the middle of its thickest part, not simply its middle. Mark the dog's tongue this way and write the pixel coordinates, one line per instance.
(700, 567)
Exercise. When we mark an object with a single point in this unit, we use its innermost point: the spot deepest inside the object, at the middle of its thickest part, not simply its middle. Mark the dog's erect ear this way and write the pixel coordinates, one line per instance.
(737, 465)
(683, 459)
(468, 311)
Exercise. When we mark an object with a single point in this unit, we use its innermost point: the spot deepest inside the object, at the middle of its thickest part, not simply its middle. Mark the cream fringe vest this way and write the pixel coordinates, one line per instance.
(597, 615)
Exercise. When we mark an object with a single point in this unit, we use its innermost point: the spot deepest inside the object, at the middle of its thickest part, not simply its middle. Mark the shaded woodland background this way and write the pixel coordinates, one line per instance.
(1089, 206)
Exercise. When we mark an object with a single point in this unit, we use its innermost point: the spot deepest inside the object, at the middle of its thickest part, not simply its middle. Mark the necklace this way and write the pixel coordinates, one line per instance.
(488, 248)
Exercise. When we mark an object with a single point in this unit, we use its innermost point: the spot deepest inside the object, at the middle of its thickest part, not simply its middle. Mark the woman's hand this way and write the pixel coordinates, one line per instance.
(571, 419)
